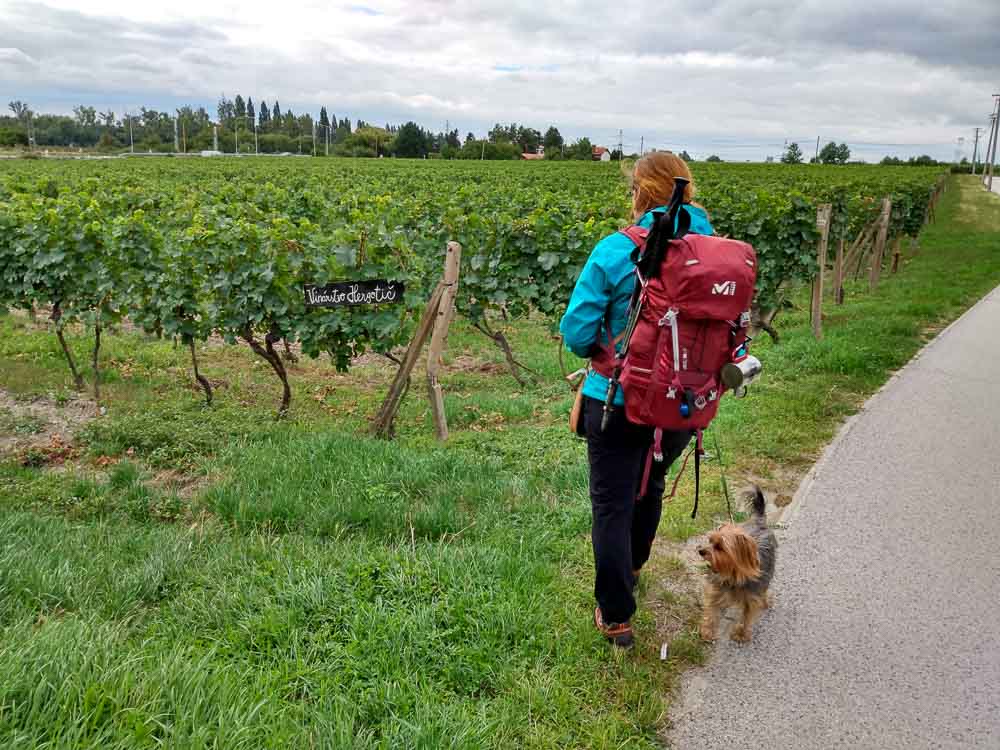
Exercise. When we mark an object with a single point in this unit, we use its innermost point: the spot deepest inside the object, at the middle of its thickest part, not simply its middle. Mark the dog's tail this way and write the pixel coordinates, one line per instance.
(759, 503)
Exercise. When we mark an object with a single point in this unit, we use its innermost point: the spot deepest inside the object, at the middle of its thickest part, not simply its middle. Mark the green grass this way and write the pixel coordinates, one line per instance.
(196, 577)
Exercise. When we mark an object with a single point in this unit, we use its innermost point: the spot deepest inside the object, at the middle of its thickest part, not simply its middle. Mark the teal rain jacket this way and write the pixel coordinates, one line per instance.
(605, 286)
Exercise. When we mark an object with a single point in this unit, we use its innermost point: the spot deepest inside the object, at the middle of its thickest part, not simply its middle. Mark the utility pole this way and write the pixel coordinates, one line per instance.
(975, 150)
(993, 150)
(184, 139)
(482, 157)
(314, 138)
(215, 137)
(642, 145)
(621, 146)
(817, 148)
(256, 140)
(177, 141)
(131, 142)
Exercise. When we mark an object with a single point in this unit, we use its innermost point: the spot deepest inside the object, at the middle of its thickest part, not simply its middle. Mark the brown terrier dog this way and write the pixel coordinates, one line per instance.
(741, 562)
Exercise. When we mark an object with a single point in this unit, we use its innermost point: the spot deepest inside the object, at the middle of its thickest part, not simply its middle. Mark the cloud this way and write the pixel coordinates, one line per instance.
(15, 58)
(735, 76)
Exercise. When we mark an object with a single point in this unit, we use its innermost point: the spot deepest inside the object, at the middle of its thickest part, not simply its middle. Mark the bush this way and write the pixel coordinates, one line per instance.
(10, 137)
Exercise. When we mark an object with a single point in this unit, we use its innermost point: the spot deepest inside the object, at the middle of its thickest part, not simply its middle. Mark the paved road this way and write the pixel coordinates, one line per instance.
(886, 626)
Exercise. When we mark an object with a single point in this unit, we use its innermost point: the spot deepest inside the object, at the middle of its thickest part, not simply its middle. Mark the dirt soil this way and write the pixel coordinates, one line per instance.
(40, 422)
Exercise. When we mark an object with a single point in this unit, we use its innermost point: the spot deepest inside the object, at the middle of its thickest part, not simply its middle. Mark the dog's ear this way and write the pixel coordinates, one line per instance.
(746, 562)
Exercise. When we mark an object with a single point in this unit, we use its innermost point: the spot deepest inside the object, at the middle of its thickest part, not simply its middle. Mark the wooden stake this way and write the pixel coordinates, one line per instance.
(823, 224)
(895, 254)
(445, 311)
(434, 325)
(856, 253)
(879, 250)
(382, 425)
(838, 274)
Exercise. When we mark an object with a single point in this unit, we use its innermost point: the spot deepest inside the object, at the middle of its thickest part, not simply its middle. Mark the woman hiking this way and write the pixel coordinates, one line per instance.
(623, 526)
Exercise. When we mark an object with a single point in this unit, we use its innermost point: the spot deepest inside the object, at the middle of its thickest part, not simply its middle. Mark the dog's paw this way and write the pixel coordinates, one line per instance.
(707, 633)
(740, 635)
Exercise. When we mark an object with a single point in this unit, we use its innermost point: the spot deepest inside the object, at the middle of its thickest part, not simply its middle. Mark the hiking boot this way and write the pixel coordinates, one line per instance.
(618, 633)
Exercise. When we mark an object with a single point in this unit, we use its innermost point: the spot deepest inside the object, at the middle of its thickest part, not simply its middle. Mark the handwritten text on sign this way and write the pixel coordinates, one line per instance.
(355, 293)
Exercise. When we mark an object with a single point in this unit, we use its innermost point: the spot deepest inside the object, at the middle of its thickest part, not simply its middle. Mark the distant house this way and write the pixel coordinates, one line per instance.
(601, 154)
(539, 154)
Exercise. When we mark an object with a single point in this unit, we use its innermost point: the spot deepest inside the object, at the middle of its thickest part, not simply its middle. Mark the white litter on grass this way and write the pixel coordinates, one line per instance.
(663, 651)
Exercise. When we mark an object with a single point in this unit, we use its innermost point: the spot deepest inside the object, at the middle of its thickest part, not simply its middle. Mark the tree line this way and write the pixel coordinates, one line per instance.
(831, 153)
(247, 126)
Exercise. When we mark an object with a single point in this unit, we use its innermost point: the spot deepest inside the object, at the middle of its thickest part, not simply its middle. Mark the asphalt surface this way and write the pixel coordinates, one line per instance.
(885, 630)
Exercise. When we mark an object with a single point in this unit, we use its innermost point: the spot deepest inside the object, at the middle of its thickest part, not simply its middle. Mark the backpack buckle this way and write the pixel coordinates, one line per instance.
(669, 318)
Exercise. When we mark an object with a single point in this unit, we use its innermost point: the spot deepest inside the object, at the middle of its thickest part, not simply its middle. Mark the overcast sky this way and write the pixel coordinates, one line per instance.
(734, 77)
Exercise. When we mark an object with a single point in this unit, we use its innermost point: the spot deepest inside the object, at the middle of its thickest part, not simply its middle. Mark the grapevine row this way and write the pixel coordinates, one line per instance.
(194, 249)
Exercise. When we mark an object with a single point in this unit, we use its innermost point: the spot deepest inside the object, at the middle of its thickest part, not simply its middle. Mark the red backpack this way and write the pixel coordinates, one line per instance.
(689, 318)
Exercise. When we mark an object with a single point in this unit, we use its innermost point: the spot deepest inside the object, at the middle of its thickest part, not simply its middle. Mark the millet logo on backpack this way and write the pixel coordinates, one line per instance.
(726, 288)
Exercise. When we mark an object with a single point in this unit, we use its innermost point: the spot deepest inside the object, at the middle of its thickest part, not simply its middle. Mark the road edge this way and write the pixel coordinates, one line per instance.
(786, 515)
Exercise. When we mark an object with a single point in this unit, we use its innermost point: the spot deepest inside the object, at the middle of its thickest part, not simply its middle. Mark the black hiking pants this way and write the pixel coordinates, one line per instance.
(623, 527)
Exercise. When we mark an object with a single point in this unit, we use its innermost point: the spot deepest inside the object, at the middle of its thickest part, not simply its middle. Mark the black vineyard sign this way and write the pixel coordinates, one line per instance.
(352, 293)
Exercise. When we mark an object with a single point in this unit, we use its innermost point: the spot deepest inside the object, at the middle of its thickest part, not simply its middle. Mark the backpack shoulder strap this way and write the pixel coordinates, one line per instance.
(637, 234)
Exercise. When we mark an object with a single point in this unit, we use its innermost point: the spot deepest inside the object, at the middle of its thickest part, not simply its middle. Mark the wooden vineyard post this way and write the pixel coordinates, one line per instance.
(879, 250)
(435, 319)
(895, 253)
(445, 311)
(823, 224)
(838, 274)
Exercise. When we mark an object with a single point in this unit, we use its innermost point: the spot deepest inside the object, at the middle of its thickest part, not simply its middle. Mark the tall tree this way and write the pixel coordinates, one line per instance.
(324, 119)
(499, 134)
(410, 141)
(264, 116)
(583, 150)
(276, 116)
(86, 117)
(453, 140)
(251, 115)
(528, 139)
(553, 140)
(225, 110)
(843, 154)
(240, 107)
(829, 154)
(792, 155)
(19, 108)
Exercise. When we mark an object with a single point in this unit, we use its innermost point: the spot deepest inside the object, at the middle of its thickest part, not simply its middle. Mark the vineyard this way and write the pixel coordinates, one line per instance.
(194, 249)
